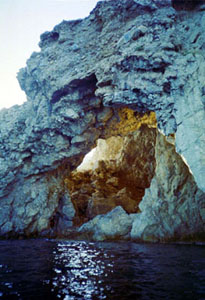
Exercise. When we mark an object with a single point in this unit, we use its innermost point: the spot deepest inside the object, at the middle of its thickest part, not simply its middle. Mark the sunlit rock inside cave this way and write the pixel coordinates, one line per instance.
(117, 171)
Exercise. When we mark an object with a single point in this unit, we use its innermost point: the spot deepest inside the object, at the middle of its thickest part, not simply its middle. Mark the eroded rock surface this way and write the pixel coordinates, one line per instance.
(173, 208)
(136, 54)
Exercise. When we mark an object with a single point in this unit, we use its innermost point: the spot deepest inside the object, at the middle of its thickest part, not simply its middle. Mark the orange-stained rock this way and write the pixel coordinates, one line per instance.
(129, 121)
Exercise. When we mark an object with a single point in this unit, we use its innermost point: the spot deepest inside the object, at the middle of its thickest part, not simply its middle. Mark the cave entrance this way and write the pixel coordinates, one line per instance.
(117, 171)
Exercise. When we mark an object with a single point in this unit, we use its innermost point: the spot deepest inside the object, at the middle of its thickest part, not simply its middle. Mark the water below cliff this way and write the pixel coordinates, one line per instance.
(51, 269)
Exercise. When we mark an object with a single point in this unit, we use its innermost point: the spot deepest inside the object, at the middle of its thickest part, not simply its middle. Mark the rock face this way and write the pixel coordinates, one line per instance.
(173, 207)
(126, 56)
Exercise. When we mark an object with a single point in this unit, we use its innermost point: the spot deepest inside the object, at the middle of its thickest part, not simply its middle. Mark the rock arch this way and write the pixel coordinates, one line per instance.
(93, 79)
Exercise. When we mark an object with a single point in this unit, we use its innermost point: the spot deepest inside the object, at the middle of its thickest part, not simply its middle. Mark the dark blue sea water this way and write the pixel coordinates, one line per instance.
(51, 269)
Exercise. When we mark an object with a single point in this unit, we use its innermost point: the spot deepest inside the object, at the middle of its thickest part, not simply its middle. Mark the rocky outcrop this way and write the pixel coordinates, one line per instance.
(89, 76)
(113, 226)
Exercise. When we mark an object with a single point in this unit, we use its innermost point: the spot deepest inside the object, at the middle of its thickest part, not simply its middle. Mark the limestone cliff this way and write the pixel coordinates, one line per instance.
(141, 56)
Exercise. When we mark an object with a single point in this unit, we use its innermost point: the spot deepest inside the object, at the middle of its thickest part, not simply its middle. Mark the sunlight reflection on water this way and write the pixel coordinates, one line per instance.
(80, 269)
(77, 270)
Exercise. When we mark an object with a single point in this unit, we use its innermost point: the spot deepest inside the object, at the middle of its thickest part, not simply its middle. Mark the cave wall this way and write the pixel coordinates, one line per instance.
(140, 54)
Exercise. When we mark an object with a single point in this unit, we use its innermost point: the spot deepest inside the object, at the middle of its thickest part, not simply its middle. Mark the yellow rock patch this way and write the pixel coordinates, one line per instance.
(129, 121)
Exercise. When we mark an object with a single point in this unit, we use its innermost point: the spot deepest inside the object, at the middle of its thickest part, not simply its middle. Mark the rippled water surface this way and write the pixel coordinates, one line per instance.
(50, 269)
